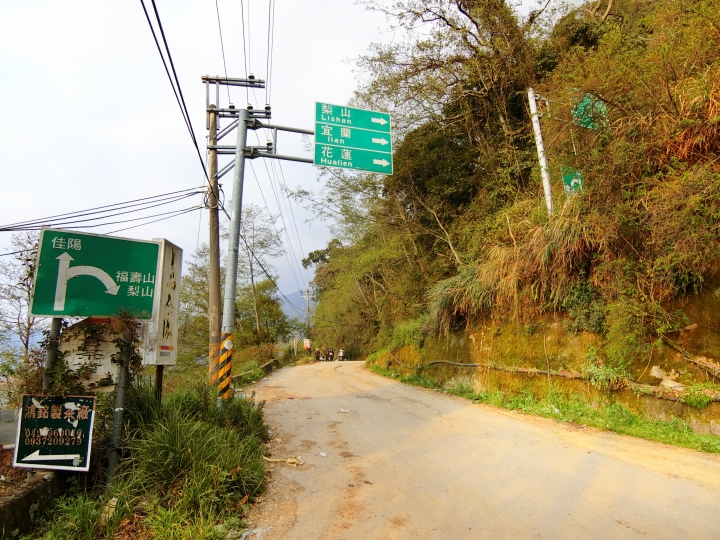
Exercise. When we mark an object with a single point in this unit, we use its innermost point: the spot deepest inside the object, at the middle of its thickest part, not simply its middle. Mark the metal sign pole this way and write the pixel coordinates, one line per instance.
(544, 170)
(52, 352)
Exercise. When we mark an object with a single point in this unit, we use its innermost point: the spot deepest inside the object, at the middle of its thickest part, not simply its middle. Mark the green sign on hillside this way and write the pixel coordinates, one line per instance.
(350, 138)
(55, 432)
(572, 179)
(589, 112)
(84, 275)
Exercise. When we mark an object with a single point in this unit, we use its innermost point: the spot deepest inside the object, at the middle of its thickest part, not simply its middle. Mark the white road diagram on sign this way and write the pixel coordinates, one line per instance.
(37, 456)
(65, 273)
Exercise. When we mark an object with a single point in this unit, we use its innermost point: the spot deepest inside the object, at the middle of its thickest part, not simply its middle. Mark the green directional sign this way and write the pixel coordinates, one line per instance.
(84, 275)
(572, 179)
(351, 138)
(589, 112)
(55, 432)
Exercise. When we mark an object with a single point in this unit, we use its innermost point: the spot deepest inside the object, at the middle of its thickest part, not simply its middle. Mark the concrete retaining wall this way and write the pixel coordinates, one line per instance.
(23, 504)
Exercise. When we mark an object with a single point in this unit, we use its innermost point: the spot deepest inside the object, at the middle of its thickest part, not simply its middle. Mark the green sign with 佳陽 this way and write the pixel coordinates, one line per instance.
(55, 432)
(350, 138)
(85, 275)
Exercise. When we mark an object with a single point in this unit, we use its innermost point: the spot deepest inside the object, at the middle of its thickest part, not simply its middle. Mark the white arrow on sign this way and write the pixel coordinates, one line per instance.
(380, 141)
(380, 121)
(66, 273)
(36, 456)
(381, 162)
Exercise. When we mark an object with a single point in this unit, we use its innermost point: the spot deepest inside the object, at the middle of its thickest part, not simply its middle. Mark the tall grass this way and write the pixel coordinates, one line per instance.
(190, 466)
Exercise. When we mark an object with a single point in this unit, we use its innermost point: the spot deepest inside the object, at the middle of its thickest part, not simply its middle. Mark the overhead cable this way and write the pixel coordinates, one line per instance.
(292, 212)
(177, 90)
(116, 211)
(83, 217)
(16, 252)
(110, 207)
(73, 224)
(222, 48)
(257, 180)
(245, 54)
(299, 310)
(282, 217)
(179, 213)
(270, 45)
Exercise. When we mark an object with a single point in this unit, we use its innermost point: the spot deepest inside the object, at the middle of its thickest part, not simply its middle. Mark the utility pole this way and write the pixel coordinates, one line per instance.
(214, 313)
(228, 321)
(544, 170)
(306, 296)
(220, 359)
(242, 119)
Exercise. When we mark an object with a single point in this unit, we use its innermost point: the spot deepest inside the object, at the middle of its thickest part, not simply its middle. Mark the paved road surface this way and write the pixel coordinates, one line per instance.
(406, 462)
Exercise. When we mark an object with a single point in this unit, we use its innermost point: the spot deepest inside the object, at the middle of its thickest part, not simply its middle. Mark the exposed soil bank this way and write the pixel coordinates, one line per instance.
(549, 346)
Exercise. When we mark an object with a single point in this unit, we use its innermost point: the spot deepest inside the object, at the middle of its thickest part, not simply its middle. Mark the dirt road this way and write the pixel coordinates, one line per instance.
(405, 462)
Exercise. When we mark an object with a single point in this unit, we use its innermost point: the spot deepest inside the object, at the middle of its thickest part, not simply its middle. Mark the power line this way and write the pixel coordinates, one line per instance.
(285, 228)
(177, 91)
(109, 207)
(292, 212)
(69, 221)
(270, 44)
(277, 201)
(74, 226)
(249, 41)
(292, 270)
(299, 310)
(245, 55)
(180, 213)
(222, 48)
(272, 176)
(74, 219)
(15, 252)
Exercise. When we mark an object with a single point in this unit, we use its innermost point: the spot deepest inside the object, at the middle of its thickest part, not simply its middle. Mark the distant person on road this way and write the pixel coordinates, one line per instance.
(317, 355)
(330, 355)
(341, 355)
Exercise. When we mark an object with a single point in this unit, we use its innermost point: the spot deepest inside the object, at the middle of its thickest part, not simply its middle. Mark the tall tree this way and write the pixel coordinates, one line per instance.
(16, 289)
(260, 304)
(260, 241)
(193, 332)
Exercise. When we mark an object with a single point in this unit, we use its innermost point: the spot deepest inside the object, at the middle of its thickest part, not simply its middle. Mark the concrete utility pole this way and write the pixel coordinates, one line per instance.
(214, 312)
(306, 296)
(220, 360)
(228, 322)
(544, 170)
(242, 119)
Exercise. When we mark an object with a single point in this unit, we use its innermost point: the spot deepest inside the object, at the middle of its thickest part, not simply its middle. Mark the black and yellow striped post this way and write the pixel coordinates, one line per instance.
(220, 373)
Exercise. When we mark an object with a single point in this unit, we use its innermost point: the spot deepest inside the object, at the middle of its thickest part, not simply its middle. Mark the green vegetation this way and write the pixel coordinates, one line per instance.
(191, 466)
(695, 397)
(569, 407)
(459, 235)
(457, 243)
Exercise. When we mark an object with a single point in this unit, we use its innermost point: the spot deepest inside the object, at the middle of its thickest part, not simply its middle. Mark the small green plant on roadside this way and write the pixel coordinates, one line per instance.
(601, 375)
(696, 396)
(415, 378)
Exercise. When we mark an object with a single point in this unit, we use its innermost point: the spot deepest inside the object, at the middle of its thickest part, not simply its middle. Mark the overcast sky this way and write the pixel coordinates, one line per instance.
(88, 118)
